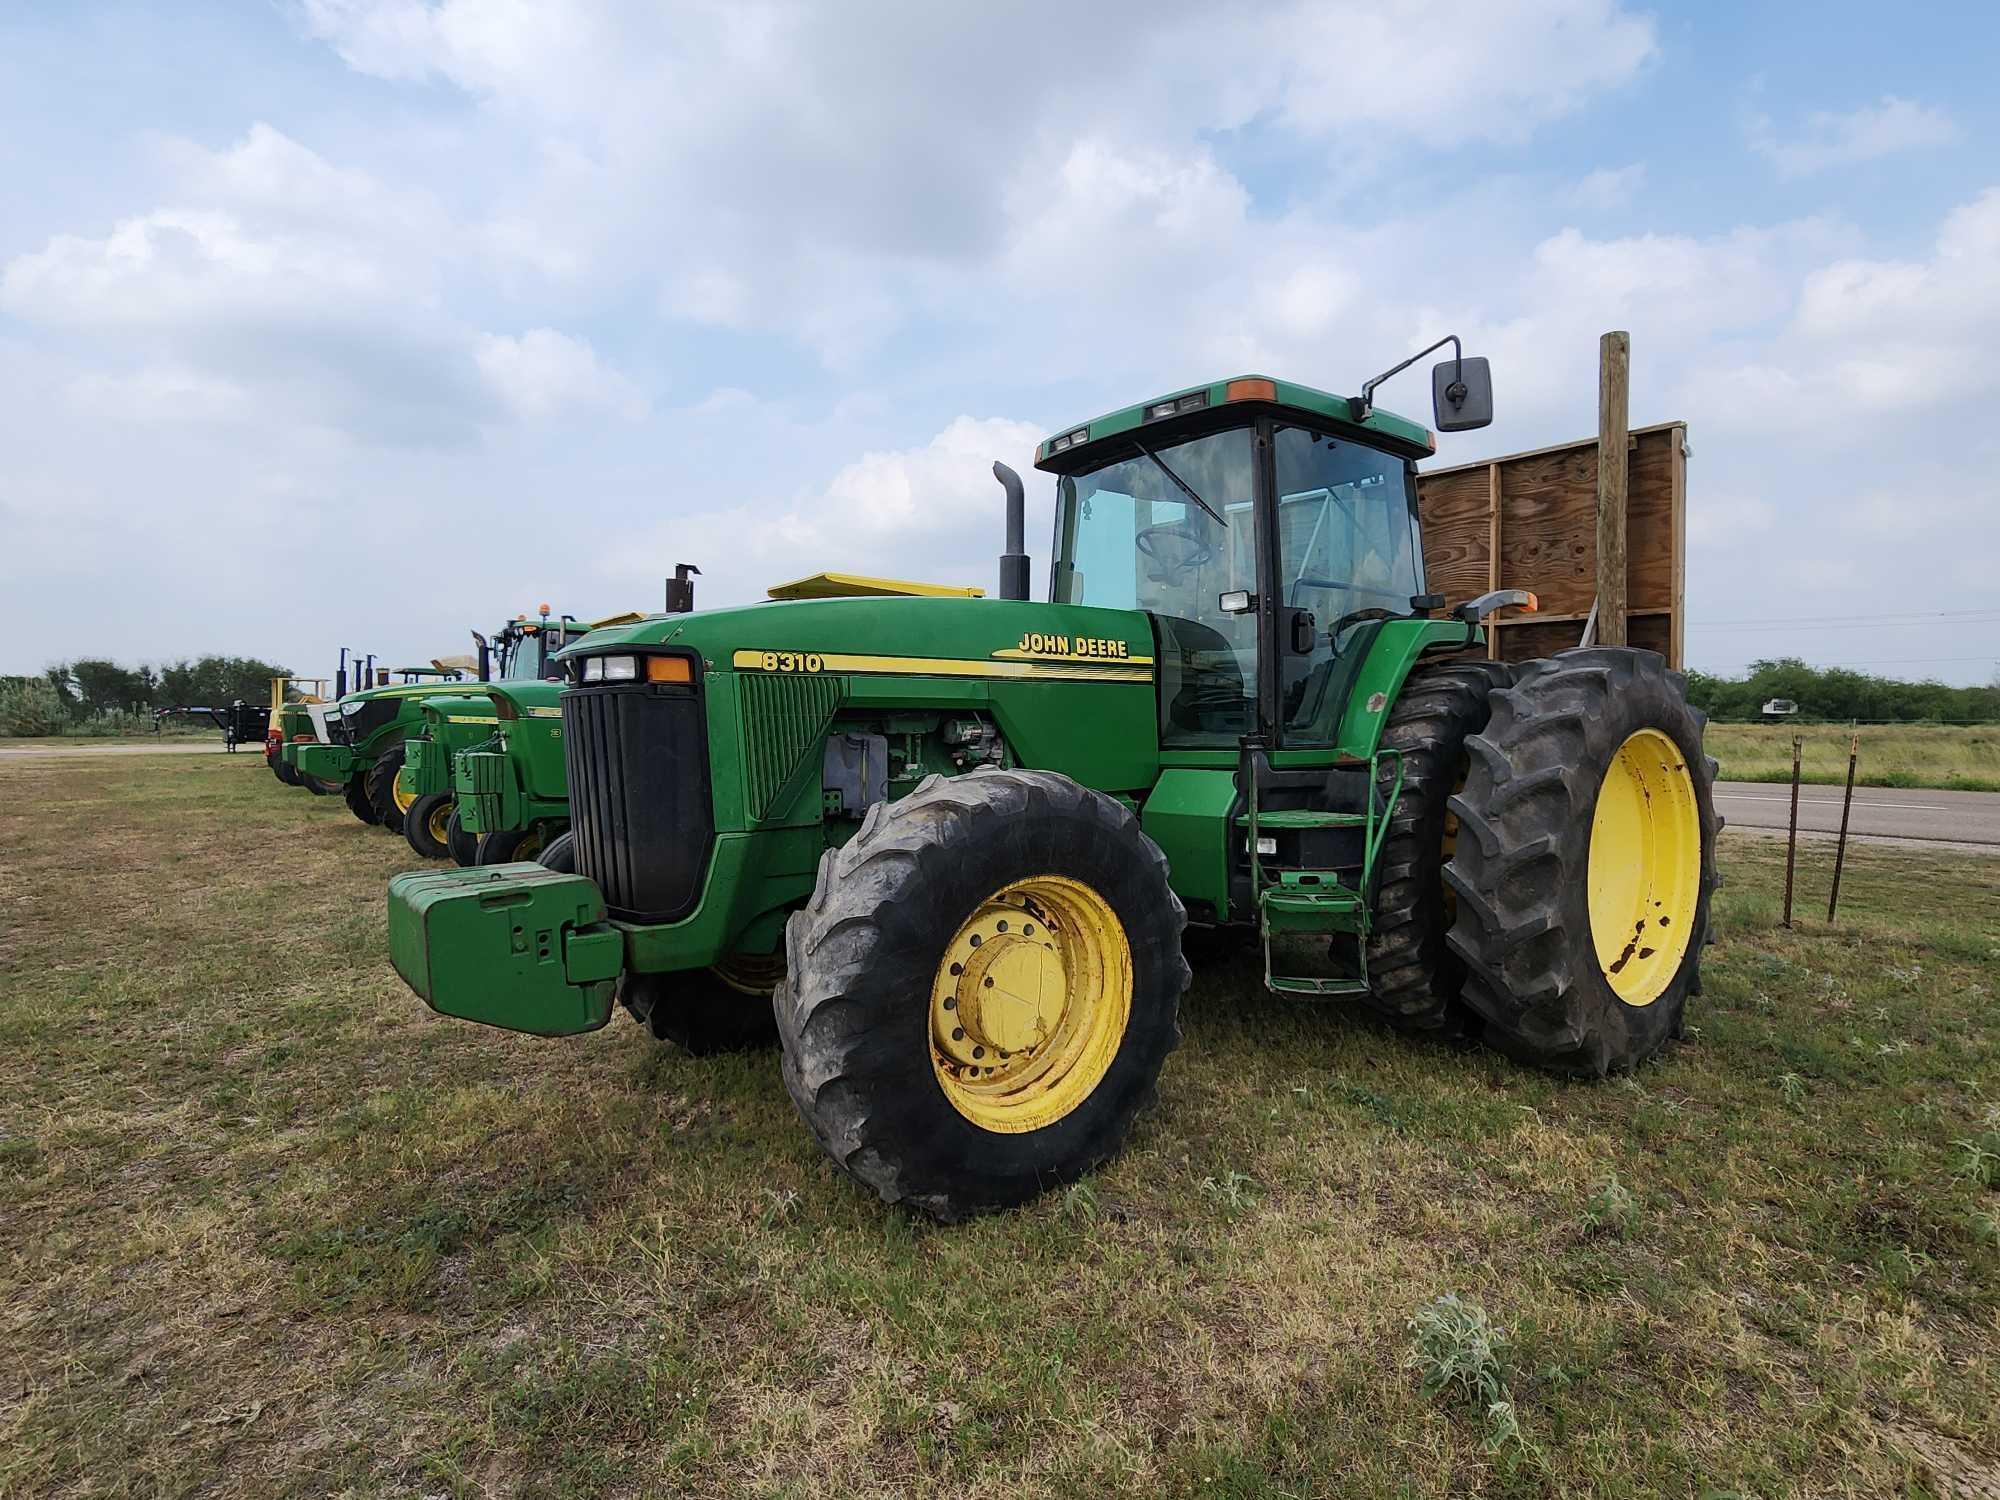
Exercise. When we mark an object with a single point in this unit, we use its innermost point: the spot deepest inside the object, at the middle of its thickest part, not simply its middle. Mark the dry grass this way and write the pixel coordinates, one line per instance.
(271, 1229)
(1909, 755)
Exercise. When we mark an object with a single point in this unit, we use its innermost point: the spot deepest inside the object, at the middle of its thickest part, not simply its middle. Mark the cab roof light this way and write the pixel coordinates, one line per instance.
(1173, 405)
(1250, 390)
(1070, 440)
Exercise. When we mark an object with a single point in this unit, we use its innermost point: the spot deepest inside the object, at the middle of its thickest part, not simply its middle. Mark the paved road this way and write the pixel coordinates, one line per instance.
(1879, 812)
(115, 747)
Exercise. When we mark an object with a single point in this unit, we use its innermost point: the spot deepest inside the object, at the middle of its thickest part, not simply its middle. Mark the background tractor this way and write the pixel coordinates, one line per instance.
(484, 767)
(950, 846)
(360, 744)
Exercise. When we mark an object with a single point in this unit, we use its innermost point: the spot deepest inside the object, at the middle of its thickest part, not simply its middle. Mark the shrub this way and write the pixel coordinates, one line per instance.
(30, 706)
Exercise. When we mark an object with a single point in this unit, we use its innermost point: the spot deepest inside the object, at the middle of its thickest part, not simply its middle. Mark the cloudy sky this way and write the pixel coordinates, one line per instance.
(361, 322)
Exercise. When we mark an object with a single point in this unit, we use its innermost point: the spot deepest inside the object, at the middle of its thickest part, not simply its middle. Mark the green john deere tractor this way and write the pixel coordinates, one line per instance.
(362, 738)
(949, 846)
(484, 768)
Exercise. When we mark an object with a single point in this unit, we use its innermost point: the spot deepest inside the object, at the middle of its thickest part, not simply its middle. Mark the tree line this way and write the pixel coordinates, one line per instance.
(93, 691)
(1839, 694)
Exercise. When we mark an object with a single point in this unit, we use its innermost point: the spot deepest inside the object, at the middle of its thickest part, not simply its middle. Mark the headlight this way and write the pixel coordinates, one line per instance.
(621, 668)
(593, 669)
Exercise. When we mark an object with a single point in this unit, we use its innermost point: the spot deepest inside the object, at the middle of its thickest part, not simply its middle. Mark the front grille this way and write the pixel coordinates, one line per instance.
(637, 756)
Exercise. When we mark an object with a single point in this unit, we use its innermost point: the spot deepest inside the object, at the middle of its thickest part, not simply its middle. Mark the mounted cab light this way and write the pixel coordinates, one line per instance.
(1250, 390)
(1236, 602)
(669, 669)
(1192, 401)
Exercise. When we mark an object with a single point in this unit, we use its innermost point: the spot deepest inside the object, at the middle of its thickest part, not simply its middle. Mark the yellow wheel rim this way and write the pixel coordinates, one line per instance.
(1030, 1004)
(1645, 867)
(404, 798)
(750, 973)
(438, 824)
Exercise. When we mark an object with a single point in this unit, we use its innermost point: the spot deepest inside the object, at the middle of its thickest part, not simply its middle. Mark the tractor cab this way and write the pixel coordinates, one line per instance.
(1267, 528)
(524, 650)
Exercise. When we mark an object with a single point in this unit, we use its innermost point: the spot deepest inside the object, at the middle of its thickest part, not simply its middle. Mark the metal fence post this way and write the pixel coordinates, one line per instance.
(1847, 801)
(1792, 837)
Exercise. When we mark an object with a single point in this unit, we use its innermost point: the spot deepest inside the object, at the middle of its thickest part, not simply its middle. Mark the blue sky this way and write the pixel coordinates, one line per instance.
(302, 296)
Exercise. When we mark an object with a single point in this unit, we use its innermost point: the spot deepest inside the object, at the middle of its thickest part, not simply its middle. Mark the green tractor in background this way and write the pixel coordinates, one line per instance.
(950, 847)
(362, 744)
(484, 769)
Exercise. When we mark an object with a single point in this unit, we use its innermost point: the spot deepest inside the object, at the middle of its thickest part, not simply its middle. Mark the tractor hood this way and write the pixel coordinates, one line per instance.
(897, 636)
(527, 698)
(456, 708)
(407, 690)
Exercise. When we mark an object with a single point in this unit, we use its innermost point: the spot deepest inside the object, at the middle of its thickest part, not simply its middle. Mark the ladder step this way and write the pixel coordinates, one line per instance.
(1310, 908)
(1287, 984)
(1304, 818)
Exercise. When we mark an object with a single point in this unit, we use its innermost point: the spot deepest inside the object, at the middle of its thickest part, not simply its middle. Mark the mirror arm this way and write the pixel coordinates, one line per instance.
(1365, 402)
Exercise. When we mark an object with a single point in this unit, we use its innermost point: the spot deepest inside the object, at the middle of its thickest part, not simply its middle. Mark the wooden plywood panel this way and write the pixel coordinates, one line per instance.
(1545, 525)
(1528, 637)
(1453, 511)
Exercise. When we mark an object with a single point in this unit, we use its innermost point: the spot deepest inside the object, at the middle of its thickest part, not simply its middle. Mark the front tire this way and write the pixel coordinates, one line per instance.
(427, 825)
(385, 789)
(461, 843)
(505, 845)
(355, 794)
(1585, 861)
(982, 992)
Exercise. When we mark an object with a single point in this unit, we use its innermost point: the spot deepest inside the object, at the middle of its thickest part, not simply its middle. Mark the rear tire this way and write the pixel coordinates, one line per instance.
(891, 942)
(382, 792)
(1414, 978)
(1585, 861)
(560, 856)
(428, 822)
(506, 845)
(460, 843)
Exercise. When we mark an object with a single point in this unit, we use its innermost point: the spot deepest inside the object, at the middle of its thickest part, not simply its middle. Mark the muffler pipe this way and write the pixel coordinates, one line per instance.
(1014, 561)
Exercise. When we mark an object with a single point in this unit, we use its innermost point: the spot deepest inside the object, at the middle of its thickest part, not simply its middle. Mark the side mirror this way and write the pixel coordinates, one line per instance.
(1461, 394)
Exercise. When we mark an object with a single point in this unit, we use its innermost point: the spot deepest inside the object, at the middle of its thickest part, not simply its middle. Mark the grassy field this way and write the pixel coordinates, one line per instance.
(268, 1228)
(1926, 755)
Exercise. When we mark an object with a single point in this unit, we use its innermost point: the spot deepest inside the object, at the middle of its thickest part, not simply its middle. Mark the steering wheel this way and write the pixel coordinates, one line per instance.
(1351, 619)
(1199, 551)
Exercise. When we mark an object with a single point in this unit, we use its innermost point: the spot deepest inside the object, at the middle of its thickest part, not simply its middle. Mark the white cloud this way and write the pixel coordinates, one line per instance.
(832, 173)
(543, 372)
(1869, 133)
(931, 512)
(1609, 187)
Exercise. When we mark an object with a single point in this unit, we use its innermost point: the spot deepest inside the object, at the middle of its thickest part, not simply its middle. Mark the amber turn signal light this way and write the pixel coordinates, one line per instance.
(669, 669)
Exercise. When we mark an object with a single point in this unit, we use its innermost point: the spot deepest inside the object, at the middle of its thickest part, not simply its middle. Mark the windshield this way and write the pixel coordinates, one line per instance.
(1129, 537)
(523, 658)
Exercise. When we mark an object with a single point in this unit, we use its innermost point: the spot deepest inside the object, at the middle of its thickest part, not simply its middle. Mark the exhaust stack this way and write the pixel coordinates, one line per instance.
(680, 589)
(1014, 561)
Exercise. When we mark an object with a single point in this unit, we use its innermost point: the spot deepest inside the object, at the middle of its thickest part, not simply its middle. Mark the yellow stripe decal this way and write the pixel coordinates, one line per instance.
(468, 718)
(1136, 669)
(545, 713)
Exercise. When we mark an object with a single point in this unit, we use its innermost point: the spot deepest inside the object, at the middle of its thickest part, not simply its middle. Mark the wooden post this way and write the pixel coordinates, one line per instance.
(1614, 357)
(1492, 552)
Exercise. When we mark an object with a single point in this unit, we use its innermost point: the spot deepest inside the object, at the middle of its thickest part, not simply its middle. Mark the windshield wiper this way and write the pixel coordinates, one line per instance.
(1180, 483)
